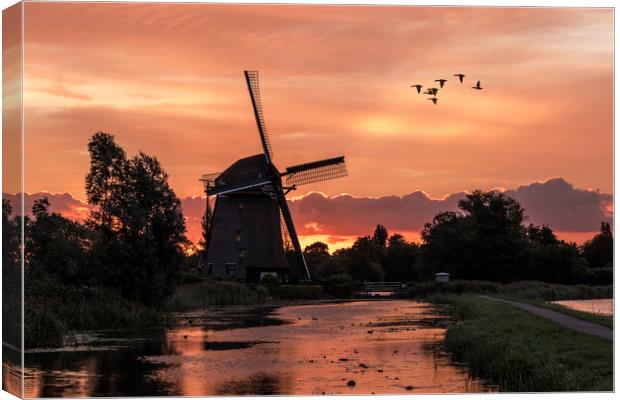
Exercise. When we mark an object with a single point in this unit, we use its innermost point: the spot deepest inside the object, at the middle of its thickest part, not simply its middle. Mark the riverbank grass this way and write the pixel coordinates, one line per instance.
(521, 352)
(54, 311)
(532, 290)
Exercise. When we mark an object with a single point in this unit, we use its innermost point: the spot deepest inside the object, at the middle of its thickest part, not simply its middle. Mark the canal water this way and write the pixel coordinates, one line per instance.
(594, 306)
(363, 347)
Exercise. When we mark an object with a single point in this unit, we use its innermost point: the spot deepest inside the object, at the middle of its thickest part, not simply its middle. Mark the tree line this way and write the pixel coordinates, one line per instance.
(134, 240)
(486, 239)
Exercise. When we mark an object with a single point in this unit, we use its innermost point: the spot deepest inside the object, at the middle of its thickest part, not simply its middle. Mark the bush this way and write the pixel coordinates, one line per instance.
(54, 310)
(299, 292)
(339, 285)
(215, 293)
(271, 282)
(544, 291)
(424, 289)
(601, 276)
(531, 290)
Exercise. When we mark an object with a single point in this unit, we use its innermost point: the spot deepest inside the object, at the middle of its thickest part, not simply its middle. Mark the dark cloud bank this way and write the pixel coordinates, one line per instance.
(554, 202)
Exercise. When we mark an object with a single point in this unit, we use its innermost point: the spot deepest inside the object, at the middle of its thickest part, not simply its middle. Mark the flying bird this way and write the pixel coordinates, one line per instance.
(460, 76)
(433, 99)
(418, 87)
(477, 87)
(429, 92)
(441, 82)
(434, 90)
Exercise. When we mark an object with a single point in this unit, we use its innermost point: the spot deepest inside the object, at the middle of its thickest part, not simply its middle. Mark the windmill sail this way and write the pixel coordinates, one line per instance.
(290, 227)
(223, 189)
(316, 171)
(251, 78)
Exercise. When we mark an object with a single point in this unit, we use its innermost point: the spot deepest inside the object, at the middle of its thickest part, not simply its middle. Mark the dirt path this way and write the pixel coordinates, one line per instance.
(562, 319)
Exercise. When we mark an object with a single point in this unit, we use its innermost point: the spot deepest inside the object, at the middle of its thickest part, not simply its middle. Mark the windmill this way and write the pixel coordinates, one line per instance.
(250, 227)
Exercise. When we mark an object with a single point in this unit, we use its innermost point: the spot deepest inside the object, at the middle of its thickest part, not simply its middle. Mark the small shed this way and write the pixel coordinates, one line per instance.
(442, 277)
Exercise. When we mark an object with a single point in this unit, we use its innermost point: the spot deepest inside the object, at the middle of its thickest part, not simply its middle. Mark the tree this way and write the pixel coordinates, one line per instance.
(446, 244)
(484, 240)
(599, 251)
(541, 235)
(140, 221)
(11, 277)
(554, 263)
(380, 236)
(107, 169)
(10, 238)
(56, 247)
(363, 260)
(317, 256)
(400, 258)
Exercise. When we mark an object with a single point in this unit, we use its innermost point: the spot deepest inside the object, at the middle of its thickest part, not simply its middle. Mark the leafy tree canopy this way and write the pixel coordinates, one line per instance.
(139, 218)
(599, 251)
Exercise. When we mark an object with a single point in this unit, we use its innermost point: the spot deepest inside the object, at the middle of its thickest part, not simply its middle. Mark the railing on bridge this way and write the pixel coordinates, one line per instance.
(376, 289)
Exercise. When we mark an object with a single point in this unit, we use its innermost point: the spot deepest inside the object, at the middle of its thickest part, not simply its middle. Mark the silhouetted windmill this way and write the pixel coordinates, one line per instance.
(246, 236)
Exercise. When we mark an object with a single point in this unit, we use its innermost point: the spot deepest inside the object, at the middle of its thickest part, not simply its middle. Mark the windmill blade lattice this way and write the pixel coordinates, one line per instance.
(251, 78)
(285, 214)
(209, 179)
(317, 171)
(297, 271)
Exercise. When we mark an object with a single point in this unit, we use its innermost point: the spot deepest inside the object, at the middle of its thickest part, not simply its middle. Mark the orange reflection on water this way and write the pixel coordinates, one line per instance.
(384, 346)
(363, 347)
(594, 306)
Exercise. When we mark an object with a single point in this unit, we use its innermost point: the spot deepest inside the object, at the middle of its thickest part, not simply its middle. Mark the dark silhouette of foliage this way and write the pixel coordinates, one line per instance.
(599, 251)
(484, 241)
(317, 255)
(400, 258)
(554, 263)
(363, 260)
(107, 167)
(543, 236)
(56, 247)
(10, 237)
(380, 236)
(339, 285)
(139, 219)
(11, 276)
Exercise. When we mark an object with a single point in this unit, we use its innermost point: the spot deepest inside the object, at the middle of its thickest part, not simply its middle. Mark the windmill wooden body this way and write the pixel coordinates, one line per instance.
(251, 231)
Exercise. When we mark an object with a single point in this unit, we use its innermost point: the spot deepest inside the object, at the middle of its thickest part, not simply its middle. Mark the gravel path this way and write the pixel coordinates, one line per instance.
(562, 319)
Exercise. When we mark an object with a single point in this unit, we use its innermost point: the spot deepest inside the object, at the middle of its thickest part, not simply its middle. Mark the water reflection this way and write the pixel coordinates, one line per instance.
(384, 346)
(257, 384)
(594, 306)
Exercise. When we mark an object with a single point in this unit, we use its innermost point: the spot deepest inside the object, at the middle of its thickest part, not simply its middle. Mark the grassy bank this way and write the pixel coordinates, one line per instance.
(194, 296)
(522, 352)
(532, 290)
(52, 311)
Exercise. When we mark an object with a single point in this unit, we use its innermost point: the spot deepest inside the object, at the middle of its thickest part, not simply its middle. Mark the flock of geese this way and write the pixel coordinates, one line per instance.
(433, 90)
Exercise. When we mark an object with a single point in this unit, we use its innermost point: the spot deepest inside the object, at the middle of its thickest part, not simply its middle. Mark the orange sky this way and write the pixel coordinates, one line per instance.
(167, 79)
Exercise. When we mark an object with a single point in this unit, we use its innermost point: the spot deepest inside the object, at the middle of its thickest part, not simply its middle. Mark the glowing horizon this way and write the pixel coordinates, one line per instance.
(167, 79)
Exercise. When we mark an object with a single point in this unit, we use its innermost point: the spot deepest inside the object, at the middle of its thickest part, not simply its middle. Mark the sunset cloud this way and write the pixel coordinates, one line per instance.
(167, 79)
(575, 214)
